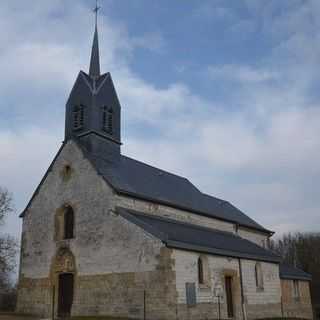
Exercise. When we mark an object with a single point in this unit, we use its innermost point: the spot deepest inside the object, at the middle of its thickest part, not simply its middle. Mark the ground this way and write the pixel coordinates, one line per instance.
(17, 317)
(11, 317)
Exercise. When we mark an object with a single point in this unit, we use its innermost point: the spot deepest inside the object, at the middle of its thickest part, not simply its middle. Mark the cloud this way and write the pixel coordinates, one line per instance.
(256, 147)
(152, 41)
(25, 156)
(241, 73)
(268, 174)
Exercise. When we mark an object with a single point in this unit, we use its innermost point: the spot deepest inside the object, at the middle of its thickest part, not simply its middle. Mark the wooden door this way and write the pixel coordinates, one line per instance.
(229, 296)
(65, 296)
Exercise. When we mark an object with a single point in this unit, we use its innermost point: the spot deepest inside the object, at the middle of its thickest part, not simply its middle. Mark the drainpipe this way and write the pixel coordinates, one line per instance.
(244, 312)
(53, 301)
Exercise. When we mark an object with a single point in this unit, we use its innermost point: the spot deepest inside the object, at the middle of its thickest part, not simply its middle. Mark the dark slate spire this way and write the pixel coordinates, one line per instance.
(94, 71)
(93, 110)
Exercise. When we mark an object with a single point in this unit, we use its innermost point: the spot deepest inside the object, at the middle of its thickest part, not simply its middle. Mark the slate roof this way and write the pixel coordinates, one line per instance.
(137, 179)
(134, 178)
(196, 238)
(293, 273)
(94, 70)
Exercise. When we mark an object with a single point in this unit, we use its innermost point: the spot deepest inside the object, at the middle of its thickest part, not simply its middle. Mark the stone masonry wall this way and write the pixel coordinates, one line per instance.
(114, 261)
(271, 292)
(258, 304)
(168, 212)
(104, 244)
(254, 236)
(266, 302)
(296, 307)
(126, 295)
(34, 296)
(186, 268)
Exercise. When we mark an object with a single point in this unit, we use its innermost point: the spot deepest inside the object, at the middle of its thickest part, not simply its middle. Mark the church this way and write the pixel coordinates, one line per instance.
(108, 235)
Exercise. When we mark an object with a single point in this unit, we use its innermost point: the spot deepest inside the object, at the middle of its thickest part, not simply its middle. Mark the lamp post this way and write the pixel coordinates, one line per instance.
(217, 292)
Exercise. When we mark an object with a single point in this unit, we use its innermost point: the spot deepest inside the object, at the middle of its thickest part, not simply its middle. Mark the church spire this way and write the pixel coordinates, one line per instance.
(94, 70)
(93, 110)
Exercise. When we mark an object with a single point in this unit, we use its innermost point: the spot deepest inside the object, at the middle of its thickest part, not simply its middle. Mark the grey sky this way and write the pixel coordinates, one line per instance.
(242, 125)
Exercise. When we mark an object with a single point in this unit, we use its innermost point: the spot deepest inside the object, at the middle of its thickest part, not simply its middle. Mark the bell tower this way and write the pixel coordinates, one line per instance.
(93, 109)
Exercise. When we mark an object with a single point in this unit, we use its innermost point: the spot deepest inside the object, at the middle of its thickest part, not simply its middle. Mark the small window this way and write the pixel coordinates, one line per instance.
(200, 271)
(66, 172)
(259, 276)
(107, 120)
(78, 117)
(68, 223)
(296, 289)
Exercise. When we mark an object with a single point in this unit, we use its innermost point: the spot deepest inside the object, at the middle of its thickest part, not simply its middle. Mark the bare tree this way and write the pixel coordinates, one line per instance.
(8, 245)
(5, 204)
(303, 251)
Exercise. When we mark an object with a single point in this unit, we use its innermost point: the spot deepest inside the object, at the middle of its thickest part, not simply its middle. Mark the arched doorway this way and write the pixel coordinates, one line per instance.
(64, 277)
(229, 296)
(65, 294)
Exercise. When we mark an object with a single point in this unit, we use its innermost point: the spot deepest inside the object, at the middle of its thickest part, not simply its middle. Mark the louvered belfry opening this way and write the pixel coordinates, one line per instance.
(110, 121)
(107, 120)
(78, 117)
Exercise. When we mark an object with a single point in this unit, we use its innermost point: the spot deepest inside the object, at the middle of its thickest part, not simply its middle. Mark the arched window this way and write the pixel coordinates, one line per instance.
(68, 223)
(78, 117)
(107, 120)
(200, 271)
(259, 275)
(296, 289)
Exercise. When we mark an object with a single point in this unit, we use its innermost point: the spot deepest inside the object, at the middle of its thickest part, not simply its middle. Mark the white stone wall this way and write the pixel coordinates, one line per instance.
(254, 236)
(168, 212)
(186, 271)
(184, 216)
(186, 267)
(103, 243)
(271, 292)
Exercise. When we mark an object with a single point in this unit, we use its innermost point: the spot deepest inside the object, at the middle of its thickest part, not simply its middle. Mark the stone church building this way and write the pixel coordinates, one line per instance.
(104, 234)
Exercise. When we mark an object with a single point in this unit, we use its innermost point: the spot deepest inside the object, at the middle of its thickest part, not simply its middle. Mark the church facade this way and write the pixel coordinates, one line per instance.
(104, 234)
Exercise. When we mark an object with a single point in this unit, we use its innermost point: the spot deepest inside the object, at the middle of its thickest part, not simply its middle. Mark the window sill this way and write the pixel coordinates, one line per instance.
(204, 286)
(64, 241)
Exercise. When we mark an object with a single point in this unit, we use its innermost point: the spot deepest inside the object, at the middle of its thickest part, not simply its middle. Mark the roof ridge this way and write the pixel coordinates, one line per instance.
(213, 197)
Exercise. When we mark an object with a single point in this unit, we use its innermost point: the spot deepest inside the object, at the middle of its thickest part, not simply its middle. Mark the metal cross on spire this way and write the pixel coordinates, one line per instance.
(96, 10)
(94, 70)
